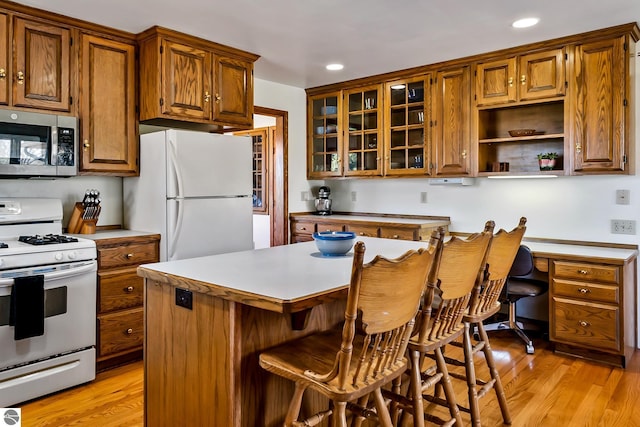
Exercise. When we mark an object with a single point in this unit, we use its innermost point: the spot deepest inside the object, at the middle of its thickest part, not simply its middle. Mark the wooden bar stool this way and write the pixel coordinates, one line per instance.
(441, 322)
(486, 303)
(369, 352)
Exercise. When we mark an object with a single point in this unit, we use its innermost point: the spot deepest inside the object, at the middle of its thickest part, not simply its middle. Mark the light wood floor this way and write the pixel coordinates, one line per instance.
(543, 389)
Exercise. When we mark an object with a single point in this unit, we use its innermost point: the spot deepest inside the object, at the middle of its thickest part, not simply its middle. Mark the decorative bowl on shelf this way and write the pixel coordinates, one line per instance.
(334, 243)
(522, 132)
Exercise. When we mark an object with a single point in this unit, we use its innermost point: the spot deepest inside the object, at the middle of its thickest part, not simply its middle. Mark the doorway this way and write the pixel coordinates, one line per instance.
(278, 178)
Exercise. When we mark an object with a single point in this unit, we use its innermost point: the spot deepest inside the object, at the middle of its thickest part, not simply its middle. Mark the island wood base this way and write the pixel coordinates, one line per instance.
(201, 365)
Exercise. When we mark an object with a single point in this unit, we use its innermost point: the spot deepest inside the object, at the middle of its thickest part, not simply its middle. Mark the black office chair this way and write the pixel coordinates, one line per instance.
(524, 281)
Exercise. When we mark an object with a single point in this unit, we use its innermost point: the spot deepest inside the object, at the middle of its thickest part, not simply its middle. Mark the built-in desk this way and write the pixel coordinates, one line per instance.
(592, 299)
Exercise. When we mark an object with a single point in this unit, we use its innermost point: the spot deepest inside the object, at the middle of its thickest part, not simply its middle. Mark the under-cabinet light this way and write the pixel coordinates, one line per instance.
(521, 176)
(397, 87)
(525, 22)
(335, 67)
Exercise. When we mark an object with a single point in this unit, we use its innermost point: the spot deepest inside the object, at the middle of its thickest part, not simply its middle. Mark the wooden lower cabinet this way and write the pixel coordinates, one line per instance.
(592, 309)
(417, 228)
(120, 304)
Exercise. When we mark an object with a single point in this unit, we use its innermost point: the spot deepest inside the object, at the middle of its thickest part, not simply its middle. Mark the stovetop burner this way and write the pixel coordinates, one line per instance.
(3, 245)
(47, 239)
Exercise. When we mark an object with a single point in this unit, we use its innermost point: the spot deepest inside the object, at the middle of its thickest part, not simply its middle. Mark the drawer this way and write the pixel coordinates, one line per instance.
(586, 324)
(304, 227)
(120, 331)
(364, 230)
(586, 291)
(397, 233)
(586, 271)
(133, 254)
(119, 289)
(297, 238)
(330, 227)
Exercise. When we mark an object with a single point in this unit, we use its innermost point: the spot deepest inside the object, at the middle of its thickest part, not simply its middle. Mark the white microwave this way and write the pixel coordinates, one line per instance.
(37, 145)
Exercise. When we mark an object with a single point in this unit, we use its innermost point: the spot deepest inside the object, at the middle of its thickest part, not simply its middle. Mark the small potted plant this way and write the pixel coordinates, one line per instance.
(547, 161)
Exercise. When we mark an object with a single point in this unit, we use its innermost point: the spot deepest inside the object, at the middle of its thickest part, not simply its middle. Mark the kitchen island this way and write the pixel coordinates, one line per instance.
(201, 364)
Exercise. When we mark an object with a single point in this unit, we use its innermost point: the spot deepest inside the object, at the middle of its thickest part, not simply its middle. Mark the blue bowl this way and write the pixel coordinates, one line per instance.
(334, 243)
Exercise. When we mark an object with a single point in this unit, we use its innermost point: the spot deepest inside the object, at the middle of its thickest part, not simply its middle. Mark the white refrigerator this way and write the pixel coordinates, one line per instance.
(195, 190)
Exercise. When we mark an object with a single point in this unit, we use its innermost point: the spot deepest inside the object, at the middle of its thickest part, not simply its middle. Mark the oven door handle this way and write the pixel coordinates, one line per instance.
(62, 274)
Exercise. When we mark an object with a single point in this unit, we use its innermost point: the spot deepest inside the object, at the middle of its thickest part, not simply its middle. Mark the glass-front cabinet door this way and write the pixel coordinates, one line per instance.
(407, 149)
(363, 119)
(325, 128)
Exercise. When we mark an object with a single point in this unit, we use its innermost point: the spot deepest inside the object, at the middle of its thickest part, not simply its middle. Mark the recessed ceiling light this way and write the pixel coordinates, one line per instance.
(335, 67)
(525, 22)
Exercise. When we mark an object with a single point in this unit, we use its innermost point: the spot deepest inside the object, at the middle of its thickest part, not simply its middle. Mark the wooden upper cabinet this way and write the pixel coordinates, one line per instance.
(451, 136)
(107, 107)
(41, 65)
(186, 81)
(4, 59)
(523, 78)
(233, 91)
(599, 113)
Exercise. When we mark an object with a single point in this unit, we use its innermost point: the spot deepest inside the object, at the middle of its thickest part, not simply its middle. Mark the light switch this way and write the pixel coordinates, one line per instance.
(622, 197)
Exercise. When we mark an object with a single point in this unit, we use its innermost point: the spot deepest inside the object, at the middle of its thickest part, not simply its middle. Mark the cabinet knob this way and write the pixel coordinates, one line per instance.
(523, 79)
(129, 289)
(583, 272)
(20, 77)
(464, 154)
(86, 144)
(578, 148)
(207, 96)
(3, 73)
(218, 98)
(129, 331)
(584, 323)
(584, 290)
(510, 81)
(395, 236)
(129, 256)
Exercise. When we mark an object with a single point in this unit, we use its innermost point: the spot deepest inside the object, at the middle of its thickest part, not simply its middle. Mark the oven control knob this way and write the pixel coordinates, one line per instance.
(1, 262)
(58, 256)
(72, 255)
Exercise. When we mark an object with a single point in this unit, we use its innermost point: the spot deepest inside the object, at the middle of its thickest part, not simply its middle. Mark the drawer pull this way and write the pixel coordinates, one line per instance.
(395, 236)
(129, 331)
(129, 256)
(362, 233)
(303, 228)
(129, 289)
(584, 323)
(583, 272)
(584, 290)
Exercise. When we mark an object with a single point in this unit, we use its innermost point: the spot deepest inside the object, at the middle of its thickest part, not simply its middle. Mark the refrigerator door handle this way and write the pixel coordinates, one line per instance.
(177, 227)
(175, 167)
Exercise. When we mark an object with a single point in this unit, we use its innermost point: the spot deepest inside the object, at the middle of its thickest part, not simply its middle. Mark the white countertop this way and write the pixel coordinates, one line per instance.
(298, 272)
(385, 219)
(286, 273)
(112, 234)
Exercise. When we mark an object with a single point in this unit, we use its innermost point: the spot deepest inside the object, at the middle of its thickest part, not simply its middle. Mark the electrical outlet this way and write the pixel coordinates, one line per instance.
(304, 196)
(423, 197)
(622, 197)
(354, 196)
(184, 298)
(623, 226)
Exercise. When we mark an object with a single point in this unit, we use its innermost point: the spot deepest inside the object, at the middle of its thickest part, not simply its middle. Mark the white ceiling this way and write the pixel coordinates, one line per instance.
(297, 38)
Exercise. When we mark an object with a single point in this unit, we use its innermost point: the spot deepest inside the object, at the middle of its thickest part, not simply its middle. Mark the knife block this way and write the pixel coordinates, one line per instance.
(78, 225)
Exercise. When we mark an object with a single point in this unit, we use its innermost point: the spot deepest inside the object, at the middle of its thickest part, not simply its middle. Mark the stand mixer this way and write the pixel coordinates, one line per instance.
(323, 202)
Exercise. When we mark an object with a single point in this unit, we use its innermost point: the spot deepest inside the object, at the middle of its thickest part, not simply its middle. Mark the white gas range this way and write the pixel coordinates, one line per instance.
(47, 302)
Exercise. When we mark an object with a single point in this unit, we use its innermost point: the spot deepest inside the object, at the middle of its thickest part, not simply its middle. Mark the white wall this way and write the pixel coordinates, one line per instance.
(70, 191)
(294, 101)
